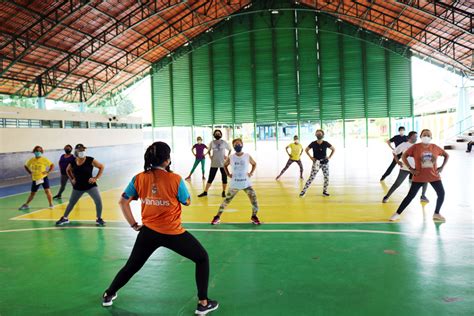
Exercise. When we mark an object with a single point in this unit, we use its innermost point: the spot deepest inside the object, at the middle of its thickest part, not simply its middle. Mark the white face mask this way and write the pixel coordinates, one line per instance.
(81, 154)
(426, 139)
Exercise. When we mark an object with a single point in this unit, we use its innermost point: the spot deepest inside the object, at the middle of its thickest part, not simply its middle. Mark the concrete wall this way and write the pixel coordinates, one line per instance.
(109, 146)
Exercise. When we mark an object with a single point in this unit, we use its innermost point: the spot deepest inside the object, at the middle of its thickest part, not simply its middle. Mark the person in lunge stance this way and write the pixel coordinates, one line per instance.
(320, 161)
(162, 193)
(239, 180)
(294, 156)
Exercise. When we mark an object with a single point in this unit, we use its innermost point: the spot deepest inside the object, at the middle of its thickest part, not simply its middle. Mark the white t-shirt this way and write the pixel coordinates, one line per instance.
(240, 169)
(400, 149)
(219, 150)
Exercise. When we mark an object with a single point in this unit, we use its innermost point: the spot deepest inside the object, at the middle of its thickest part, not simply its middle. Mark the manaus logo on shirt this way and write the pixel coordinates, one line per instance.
(155, 202)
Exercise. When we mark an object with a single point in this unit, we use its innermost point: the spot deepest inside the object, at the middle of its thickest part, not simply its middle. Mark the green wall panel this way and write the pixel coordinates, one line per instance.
(284, 67)
(266, 103)
(287, 85)
(161, 98)
(376, 81)
(202, 94)
(308, 76)
(244, 109)
(182, 92)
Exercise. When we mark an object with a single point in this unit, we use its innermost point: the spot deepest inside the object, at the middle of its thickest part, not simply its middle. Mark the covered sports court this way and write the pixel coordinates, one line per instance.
(117, 76)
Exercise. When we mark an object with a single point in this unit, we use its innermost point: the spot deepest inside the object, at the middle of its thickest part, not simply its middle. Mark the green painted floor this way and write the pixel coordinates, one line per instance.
(408, 268)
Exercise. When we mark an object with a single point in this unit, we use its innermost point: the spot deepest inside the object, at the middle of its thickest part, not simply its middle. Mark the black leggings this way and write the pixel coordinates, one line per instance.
(213, 172)
(390, 168)
(148, 241)
(415, 187)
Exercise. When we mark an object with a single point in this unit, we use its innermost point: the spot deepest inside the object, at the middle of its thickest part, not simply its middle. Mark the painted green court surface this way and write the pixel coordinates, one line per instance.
(408, 268)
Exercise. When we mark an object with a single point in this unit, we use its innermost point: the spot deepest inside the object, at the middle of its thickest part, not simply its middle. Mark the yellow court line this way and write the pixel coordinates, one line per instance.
(278, 204)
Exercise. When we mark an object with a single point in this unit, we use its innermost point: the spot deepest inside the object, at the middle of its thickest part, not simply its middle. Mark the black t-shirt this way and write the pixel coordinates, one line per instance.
(397, 139)
(82, 174)
(319, 150)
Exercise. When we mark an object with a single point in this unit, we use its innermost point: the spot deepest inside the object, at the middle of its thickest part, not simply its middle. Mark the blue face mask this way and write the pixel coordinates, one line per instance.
(38, 154)
(238, 148)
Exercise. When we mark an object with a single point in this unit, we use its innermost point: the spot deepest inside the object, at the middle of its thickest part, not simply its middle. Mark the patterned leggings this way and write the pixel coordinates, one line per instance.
(314, 171)
(288, 164)
(232, 192)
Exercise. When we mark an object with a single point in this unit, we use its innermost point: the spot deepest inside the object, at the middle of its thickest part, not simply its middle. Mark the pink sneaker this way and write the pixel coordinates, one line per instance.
(216, 220)
(255, 220)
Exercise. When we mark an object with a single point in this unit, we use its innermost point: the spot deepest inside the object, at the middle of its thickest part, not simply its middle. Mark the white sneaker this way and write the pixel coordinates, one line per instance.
(439, 218)
(51, 206)
(394, 217)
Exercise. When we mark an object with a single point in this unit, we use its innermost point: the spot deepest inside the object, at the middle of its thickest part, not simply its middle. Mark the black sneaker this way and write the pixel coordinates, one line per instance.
(382, 179)
(223, 193)
(203, 194)
(385, 199)
(107, 300)
(99, 222)
(325, 194)
(57, 197)
(203, 310)
(63, 220)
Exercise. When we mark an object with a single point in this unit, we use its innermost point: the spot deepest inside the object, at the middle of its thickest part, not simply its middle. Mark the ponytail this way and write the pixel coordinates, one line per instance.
(155, 155)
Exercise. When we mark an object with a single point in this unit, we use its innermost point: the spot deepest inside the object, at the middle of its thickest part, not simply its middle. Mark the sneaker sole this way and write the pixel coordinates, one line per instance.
(61, 224)
(110, 303)
(205, 312)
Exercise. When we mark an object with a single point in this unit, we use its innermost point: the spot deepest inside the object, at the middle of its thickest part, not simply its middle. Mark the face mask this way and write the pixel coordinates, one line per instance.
(67, 151)
(81, 154)
(38, 154)
(426, 139)
(217, 136)
(238, 148)
(319, 136)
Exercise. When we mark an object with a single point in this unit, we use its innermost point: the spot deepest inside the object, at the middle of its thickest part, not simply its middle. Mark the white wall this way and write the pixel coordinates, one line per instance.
(24, 139)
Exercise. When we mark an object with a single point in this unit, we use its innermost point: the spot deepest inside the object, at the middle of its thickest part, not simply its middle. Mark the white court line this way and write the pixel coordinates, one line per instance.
(251, 231)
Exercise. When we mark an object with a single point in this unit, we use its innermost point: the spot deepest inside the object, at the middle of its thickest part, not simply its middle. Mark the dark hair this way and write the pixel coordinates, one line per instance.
(411, 134)
(320, 130)
(37, 147)
(156, 154)
(296, 136)
(401, 128)
(215, 131)
(68, 146)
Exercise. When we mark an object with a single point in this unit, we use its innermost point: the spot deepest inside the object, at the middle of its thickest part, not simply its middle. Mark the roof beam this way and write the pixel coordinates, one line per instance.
(454, 17)
(403, 28)
(48, 47)
(86, 35)
(144, 48)
(47, 23)
(75, 59)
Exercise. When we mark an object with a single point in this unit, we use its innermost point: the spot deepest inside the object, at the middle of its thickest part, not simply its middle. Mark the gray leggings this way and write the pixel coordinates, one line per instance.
(402, 175)
(64, 179)
(76, 195)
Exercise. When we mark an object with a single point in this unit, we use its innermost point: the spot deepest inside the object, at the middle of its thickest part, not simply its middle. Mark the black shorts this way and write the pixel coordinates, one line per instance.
(35, 187)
